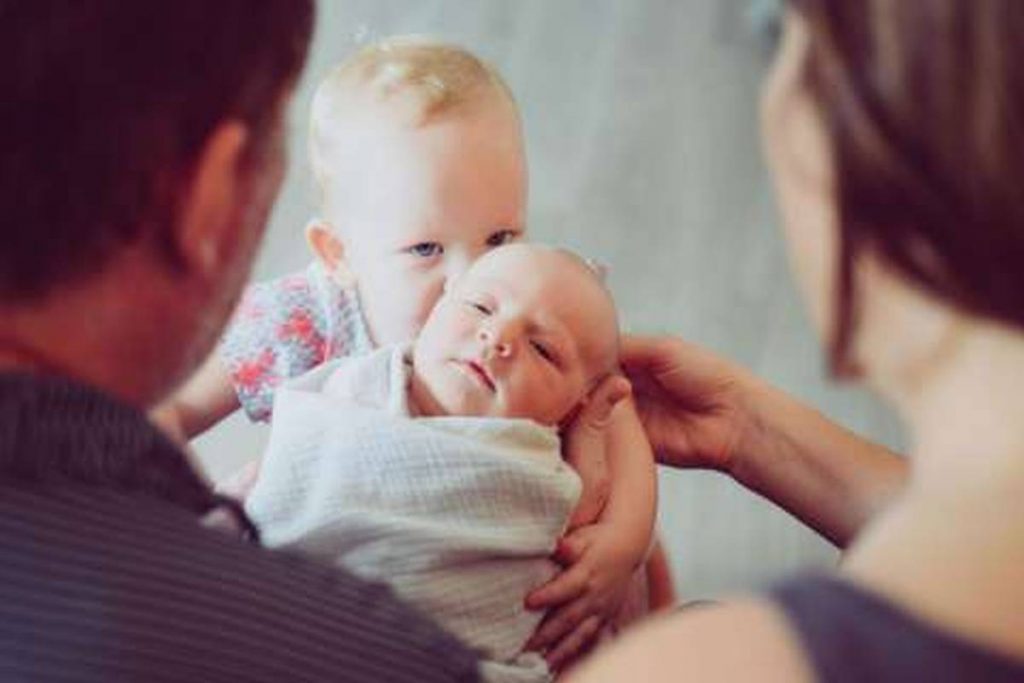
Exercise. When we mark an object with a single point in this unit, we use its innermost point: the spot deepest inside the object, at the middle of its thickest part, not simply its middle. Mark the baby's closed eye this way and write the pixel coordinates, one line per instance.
(479, 306)
(544, 351)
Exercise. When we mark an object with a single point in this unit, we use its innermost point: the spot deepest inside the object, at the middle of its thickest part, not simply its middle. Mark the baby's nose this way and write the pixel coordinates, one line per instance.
(500, 343)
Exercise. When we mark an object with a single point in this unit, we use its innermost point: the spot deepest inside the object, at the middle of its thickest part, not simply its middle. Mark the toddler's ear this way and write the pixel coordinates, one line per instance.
(329, 252)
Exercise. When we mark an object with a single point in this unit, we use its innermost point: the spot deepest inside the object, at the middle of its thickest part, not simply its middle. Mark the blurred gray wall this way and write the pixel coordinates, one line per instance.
(641, 123)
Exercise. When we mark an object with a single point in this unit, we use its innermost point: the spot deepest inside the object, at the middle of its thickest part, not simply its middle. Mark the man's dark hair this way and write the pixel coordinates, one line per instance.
(104, 108)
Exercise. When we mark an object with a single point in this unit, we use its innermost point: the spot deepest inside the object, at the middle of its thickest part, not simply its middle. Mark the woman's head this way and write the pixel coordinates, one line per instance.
(895, 131)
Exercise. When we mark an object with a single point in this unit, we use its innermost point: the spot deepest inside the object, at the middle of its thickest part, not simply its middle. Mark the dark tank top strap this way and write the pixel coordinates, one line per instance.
(850, 634)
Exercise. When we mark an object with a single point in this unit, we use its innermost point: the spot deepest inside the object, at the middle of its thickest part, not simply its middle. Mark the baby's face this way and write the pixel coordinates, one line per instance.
(421, 204)
(525, 333)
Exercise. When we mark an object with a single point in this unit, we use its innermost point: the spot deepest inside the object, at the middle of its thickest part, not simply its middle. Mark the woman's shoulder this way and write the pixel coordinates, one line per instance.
(738, 641)
(814, 627)
(849, 633)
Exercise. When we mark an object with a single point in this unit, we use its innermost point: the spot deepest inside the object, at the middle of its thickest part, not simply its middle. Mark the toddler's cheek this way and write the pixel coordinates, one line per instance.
(427, 300)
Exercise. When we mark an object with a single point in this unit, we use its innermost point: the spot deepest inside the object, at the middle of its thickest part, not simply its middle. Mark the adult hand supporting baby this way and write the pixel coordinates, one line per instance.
(693, 404)
(584, 448)
(590, 590)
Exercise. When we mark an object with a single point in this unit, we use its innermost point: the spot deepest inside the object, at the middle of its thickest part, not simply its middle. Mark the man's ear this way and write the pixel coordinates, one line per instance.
(329, 251)
(208, 230)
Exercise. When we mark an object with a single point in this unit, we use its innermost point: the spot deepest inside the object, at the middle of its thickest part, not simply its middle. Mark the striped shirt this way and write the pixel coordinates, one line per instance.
(107, 575)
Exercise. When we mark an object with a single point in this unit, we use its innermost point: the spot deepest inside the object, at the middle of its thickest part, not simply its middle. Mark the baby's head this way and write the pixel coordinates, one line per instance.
(527, 332)
(417, 151)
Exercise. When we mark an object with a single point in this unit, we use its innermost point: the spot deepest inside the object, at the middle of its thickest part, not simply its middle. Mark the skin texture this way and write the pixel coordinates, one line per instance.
(408, 205)
(529, 332)
(461, 180)
(509, 340)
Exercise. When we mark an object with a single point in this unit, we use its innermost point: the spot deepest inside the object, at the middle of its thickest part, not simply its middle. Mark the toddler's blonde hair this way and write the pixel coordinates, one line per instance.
(427, 77)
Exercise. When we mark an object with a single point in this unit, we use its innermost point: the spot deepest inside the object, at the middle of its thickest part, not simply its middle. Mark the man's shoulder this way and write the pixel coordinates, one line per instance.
(135, 588)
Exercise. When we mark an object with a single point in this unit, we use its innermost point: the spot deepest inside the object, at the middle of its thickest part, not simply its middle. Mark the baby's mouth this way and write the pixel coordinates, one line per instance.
(480, 372)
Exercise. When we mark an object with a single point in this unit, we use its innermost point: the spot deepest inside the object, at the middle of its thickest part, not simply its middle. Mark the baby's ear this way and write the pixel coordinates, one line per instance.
(329, 251)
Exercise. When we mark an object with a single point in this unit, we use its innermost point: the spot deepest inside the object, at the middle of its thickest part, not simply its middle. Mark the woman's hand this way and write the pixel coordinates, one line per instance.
(693, 404)
(700, 410)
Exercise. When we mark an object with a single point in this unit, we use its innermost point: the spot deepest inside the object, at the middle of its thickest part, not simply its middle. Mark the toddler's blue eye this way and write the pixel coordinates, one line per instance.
(502, 237)
(425, 249)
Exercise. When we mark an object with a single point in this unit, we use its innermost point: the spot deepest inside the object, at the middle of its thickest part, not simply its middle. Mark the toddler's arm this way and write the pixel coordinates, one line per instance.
(205, 399)
(279, 330)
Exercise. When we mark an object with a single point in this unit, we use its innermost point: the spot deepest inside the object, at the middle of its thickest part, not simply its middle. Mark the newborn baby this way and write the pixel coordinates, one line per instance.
(437, 468)
(526, 333)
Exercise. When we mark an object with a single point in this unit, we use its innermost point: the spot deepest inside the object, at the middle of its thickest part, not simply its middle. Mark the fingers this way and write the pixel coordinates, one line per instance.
(602, 400)
(560, 625)
(571, 548)
(646, 352)
(567, 586)
(577, 643)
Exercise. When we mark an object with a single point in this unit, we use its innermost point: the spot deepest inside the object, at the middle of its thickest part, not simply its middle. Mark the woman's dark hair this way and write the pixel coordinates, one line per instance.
(924, 104)
(104, 108)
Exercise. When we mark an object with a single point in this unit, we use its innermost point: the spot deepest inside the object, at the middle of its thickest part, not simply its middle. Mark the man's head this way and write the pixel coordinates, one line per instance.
(527, 332)
(418, 155)
(143, 139)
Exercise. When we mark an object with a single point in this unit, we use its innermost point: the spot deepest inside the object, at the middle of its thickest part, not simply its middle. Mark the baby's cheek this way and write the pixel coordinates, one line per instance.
(564, 401)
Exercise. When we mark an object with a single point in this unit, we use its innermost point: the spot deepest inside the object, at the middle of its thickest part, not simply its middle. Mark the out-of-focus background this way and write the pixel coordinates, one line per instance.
(641, 126)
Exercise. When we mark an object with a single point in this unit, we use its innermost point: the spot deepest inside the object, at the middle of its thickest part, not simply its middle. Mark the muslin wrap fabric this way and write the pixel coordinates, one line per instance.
(458, 514)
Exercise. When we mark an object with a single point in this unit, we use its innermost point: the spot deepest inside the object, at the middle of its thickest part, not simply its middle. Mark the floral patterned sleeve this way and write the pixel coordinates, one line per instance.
(285, 327)
(279, 331)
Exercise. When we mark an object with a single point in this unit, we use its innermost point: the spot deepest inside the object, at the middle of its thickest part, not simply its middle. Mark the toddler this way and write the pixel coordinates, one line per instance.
(417, 152)
(460, 507)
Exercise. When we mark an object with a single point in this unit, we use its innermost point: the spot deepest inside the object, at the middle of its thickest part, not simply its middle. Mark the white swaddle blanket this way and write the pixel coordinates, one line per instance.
(458, 514)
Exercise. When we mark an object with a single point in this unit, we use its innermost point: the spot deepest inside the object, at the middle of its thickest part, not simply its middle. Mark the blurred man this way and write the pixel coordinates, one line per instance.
(142, 150)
